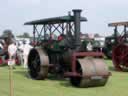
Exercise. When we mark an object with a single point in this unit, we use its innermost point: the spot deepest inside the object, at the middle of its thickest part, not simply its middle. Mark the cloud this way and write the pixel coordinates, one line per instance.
(23, 3)
(98, 12)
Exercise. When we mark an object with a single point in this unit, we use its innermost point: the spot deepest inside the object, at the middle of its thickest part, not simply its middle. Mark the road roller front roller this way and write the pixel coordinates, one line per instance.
(93, 72)
(88, 70)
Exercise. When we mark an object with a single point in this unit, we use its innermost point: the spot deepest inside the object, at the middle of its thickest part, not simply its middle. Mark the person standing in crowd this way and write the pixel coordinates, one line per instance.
(12, 49)
(19, 53)
(1, 49)
(89, 47)
(26, 49)
(1, 46)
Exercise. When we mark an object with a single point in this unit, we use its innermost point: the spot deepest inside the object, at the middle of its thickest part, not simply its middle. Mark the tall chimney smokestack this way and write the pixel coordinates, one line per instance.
(77, 15)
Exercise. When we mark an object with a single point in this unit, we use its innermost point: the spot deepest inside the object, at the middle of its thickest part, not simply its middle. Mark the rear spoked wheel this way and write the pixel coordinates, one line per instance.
(38, 64)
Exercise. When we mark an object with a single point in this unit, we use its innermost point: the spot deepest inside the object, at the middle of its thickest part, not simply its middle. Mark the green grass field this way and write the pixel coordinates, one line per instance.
(117, 85)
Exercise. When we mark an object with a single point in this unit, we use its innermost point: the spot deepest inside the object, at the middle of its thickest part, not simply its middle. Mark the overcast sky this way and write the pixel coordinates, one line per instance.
(13, 13)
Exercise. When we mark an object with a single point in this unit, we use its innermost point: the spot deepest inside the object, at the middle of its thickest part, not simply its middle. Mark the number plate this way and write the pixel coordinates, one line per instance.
(11, 62)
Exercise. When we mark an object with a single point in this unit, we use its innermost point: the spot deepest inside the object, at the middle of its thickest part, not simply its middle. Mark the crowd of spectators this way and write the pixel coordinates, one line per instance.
(16, 50)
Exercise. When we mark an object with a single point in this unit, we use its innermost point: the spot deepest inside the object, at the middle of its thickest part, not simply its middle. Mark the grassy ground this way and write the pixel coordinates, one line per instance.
(23, 86)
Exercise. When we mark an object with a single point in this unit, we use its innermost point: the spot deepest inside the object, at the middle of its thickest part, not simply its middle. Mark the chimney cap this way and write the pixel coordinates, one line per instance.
(77, 10)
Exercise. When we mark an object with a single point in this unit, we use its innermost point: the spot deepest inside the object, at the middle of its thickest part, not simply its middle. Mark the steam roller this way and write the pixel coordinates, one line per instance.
(120, 46)
(65, 56)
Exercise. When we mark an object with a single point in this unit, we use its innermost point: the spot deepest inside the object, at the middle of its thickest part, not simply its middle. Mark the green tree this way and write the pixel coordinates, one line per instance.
(96, 35)
(7, 34)
(25, 35)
